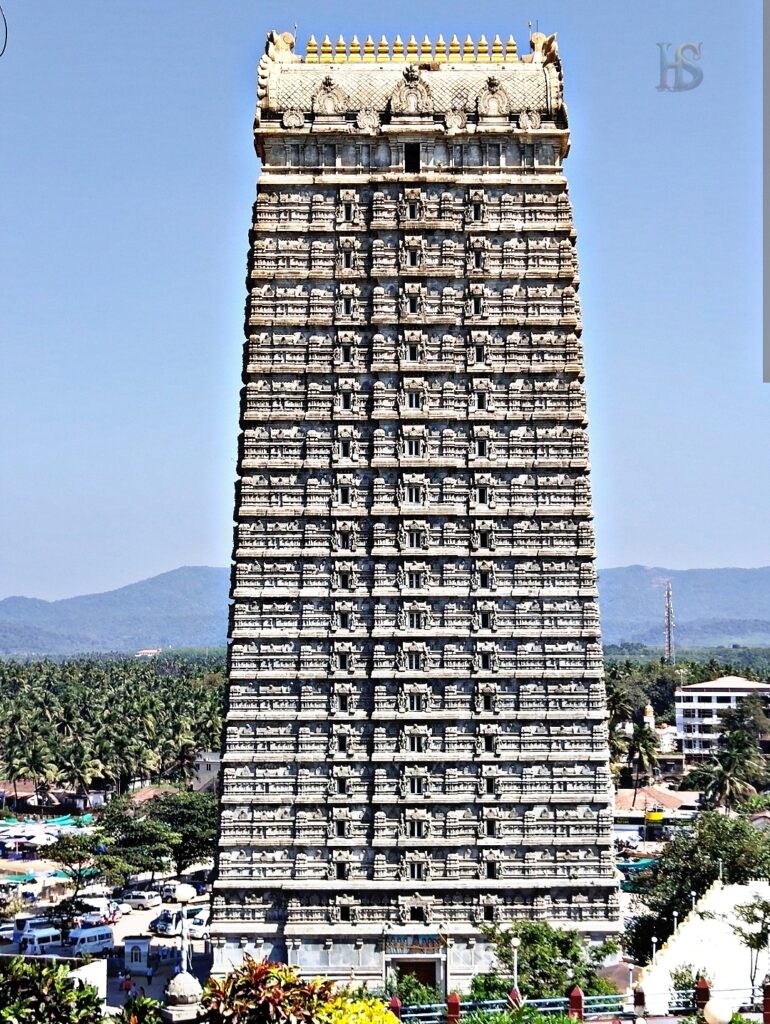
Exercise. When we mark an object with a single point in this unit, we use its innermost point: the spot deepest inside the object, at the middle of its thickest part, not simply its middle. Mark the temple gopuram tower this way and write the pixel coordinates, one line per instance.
(416, 737)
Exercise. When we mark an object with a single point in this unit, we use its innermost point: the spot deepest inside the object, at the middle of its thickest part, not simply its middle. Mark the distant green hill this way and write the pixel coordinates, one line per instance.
(711, 606)
(188, 608)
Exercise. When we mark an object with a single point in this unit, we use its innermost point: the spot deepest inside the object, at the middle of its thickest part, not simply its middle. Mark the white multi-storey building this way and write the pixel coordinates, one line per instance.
(416, 740)
(699, 708)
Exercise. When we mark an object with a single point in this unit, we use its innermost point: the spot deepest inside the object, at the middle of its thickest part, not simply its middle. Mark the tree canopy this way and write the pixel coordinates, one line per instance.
(690, 863)
(178, 828)
(80, 856)
(550, 962)
(141, 842)
(193, 818)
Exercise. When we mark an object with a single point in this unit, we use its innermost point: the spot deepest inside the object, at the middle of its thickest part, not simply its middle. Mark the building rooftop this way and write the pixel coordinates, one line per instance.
(650, 796)
(737, 683)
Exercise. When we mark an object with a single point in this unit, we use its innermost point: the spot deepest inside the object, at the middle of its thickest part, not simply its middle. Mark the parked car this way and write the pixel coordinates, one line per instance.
(168, 891)
(142, 900)
(159, 924)
(7, 929)
(91, 919)
(169, 922)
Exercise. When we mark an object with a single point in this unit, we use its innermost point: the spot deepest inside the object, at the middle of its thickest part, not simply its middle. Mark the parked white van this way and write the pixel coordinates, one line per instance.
(38, 940)
(142, 899)
(91, 940)
(198, 928)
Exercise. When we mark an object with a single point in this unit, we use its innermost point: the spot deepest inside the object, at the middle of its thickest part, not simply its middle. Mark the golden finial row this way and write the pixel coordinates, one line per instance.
(414, 52)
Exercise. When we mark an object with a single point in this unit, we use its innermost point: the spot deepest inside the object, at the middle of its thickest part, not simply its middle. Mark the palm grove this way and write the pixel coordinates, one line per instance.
(107, 723)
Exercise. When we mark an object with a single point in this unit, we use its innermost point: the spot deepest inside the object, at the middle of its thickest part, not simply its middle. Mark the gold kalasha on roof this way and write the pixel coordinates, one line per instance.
(425, 52)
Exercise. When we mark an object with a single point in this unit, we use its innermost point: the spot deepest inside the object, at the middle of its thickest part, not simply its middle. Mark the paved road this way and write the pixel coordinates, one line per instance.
(138, 923)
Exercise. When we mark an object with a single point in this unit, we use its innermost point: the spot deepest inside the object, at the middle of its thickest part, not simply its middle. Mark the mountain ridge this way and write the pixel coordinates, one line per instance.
(187, 607)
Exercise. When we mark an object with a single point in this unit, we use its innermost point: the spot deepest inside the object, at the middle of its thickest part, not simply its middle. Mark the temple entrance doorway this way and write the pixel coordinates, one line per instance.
(423, 970)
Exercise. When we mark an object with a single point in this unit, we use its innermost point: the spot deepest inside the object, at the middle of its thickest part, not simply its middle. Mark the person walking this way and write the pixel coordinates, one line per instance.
(148, 975)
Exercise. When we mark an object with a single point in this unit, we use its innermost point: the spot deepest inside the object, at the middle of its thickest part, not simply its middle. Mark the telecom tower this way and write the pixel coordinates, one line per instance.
(669, 652)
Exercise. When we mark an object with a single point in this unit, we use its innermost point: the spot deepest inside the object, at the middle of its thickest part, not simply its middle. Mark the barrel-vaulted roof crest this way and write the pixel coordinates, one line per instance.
(456, 84)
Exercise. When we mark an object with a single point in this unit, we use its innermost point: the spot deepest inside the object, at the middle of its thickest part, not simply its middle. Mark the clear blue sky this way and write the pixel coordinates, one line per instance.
(127, 180)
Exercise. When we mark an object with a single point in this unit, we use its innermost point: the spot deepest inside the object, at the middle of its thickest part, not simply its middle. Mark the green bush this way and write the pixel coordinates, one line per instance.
(36, 992)
(523, 1015)
(487, 1017)
(141, 1010)
(412, 992)
(485, 987)
(685, 976)
(550, 961)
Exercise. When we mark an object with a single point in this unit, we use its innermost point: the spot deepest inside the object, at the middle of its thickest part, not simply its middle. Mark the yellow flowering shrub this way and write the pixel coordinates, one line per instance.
(358, 1010)
(262, 992)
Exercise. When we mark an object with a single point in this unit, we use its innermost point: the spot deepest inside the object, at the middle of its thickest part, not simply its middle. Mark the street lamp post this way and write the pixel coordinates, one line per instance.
(515, 943)
(184, 893)
(676, 919)
(692, 897)
(721, 865)
(654, 947)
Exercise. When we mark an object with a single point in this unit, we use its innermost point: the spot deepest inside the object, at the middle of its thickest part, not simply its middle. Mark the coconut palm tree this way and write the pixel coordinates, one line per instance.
(643, 752)
(724, 782)
(80, 766)
(11, 764)
(620, 706)
(620, 703)
(36, 762)
(734, 771)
